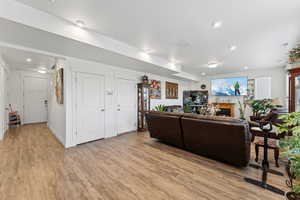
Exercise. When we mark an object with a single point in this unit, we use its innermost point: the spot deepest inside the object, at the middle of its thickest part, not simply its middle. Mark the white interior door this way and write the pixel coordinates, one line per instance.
(90, 107)
(126, 105)
(2, 106)
(35, 98)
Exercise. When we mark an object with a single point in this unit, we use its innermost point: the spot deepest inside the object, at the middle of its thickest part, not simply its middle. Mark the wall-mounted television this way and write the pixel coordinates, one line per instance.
(236, 86)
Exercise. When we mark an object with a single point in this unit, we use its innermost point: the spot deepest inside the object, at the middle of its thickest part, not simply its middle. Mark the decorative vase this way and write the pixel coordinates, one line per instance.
(145, 79)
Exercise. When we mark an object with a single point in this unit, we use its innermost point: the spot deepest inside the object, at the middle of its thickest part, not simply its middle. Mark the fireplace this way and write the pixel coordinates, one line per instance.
(226, 109)
(224, 112)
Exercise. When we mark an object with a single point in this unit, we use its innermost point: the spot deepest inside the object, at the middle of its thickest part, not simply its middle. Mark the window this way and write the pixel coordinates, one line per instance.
(263, 88)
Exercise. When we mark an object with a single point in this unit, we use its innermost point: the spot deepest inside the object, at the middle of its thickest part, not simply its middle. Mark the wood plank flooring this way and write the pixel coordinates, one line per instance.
(35, 166)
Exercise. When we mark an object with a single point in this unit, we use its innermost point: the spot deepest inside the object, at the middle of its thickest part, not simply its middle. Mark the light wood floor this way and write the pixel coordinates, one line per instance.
(35, 166)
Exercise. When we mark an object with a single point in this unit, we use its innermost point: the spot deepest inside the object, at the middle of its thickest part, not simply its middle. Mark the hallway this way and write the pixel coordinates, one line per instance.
(35, 166)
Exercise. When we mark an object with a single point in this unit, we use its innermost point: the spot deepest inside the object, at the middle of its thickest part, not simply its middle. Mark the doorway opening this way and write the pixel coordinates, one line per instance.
(28, 85)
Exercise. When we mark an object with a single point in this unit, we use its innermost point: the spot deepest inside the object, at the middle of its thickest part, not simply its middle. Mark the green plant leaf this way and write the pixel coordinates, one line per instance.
(291, 144)
(160, 108)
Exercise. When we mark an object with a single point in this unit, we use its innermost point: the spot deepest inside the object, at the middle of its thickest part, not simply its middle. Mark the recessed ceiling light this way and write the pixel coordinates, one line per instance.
(203, 73)
(145, 55)
(213, 64)
(171, 64)
(285, 44)
(80, 23)
(216, 24)
(232, 48)
(42, 71)
(28, 60)
(174, 61)
(246, 67)
(43, 68)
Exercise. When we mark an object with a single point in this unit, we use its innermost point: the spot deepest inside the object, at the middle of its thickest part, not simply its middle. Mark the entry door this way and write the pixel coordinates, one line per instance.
(90, 108)
(126, 105)
(35, 99)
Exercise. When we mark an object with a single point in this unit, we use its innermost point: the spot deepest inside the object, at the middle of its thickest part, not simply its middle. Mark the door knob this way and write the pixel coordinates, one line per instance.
(118, 109)
(102, 110)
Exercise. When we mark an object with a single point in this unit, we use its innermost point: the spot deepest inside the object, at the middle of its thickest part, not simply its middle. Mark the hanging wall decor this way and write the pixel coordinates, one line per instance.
(59, 86)
(155, 89)
(171, 90)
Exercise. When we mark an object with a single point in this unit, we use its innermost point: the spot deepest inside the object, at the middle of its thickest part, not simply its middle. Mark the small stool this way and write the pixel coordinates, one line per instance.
(272, 144)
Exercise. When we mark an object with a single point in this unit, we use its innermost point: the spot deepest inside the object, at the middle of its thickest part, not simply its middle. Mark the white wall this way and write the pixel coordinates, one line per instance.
(57, 112)
(278, 82)
(3, 97)
(111, 73)
(182, 85)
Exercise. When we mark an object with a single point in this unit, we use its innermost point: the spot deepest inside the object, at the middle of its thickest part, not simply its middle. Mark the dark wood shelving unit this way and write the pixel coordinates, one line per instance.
(143, 105)
(294, 90)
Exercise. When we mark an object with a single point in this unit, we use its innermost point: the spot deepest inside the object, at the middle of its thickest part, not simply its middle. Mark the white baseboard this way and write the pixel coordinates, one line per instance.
(59, 138)
(3, 134)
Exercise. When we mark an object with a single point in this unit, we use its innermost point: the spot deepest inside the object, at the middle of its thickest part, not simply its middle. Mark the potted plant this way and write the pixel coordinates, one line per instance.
(187, 109)
(294, 56)
(160, 108)
(260, 107)
(291, 147)
(242, 106)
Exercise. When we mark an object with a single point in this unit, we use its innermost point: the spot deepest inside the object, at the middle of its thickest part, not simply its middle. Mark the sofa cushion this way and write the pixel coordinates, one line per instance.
(216, 118)
(166, 113)
(166, 127)
(227, 141)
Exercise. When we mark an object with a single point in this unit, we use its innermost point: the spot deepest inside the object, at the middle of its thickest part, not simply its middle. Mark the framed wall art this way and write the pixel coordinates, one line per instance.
(155, 89)
(59, 86)
(171, 90)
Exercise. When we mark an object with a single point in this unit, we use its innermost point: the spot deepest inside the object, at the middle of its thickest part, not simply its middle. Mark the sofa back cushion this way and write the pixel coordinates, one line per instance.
(214, 118)
(226, 140)
(166, 127)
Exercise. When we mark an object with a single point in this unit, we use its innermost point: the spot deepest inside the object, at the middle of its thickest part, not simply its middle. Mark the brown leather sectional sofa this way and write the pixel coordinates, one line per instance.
(221, 138)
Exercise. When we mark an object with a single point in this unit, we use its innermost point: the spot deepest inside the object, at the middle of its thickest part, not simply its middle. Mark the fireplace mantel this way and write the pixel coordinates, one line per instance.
(229, 106)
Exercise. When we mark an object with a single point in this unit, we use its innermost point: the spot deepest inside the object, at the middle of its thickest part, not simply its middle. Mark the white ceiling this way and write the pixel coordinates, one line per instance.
(17, 59)
(20, 36)
(181, 30)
